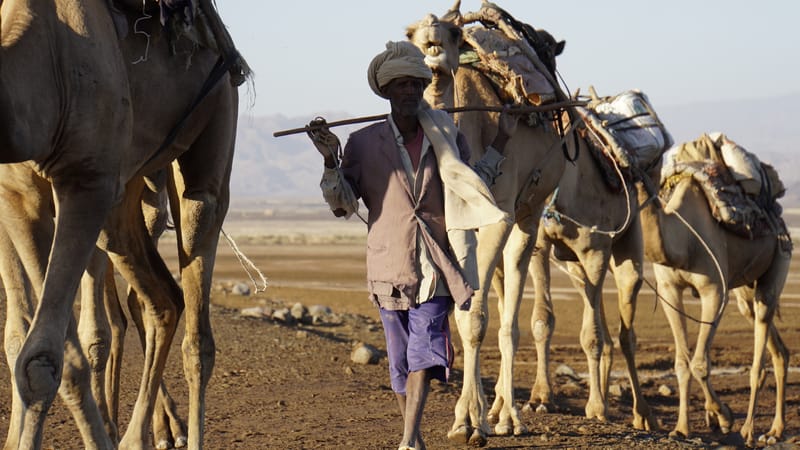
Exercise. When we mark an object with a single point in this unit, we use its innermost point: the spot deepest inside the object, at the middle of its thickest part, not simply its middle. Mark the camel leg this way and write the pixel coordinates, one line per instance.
(626, 265)
(711, 298)
(470, 424)
(136, 257)
(543, 323)
(19, 305)
(672, 298)
(118, 325)
(94, 333)
(516, 257)
(594, 336)
(759, 307)
(199, 201)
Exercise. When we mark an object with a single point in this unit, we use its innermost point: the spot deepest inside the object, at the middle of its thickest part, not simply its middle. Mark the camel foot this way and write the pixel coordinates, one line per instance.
(540, 408)
(459, 435)
(721, 421)
(646, 423)
(477, 439)
(768, 439)
(678, 435)
(181, 441)
(492, 417)
(596, 410)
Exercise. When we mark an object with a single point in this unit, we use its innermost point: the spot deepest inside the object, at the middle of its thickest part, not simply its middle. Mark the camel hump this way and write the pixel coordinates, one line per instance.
(627, 127)
(741, 191)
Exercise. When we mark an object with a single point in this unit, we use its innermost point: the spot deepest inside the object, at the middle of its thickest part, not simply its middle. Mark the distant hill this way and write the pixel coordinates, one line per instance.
(288, 168)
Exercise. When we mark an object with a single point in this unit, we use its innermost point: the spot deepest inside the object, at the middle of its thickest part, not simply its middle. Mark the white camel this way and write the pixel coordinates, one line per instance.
(533, 166)
(690, 249)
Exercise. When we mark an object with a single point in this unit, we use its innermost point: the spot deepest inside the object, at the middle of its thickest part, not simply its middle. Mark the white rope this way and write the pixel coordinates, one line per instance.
(711, 255)
(247, 264)
(551, 209)
(136, 30)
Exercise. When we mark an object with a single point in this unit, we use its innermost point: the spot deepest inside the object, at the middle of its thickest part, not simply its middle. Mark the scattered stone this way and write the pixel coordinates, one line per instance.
(302, 334)
(348, 371)
(283, 315)
(319, 314)
(256, 312)
(281, 403)
(364, 354)
(241, 289)
(299, 311)
(665, 390)
(566, 371)
(571, 389)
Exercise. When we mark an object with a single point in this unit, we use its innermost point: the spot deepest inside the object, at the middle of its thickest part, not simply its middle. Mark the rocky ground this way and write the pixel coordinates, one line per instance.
(293, 385)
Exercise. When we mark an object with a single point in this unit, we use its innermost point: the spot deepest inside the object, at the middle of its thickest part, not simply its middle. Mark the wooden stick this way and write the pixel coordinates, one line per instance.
(513, 110)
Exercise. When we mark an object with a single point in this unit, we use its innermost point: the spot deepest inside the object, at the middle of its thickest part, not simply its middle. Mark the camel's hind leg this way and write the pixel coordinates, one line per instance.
(543, 322)
(199, 199)
(759, 306)
(516, 257)
(587, 277)
(136, 257)
(626, 265)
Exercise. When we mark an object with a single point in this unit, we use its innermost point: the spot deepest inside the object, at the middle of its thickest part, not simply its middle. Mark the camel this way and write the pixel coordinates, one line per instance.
(531, 171)
(87, 152)
(594, 229)
(102, 324)
(712, 261)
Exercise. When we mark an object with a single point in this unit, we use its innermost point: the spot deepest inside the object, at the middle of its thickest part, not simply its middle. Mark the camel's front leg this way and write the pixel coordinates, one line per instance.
(588, 278)
(671, 299)
(470, 424)
(41, 360)
(543, 322)
(516, 257)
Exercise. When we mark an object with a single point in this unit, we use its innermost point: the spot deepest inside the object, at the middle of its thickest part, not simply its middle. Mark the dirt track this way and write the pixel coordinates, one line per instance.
(294, 387)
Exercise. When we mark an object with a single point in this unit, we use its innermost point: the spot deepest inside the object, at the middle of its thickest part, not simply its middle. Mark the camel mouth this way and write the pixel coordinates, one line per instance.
(436, 61)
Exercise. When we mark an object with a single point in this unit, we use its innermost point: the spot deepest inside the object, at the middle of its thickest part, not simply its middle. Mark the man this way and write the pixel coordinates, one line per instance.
(424, 204)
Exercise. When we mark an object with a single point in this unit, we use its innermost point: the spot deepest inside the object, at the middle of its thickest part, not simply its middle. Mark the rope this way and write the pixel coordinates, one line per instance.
(247, 264)
(136, 30)
(552, 212)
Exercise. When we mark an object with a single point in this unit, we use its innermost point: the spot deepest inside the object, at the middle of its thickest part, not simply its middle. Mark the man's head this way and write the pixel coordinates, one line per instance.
(399, 74)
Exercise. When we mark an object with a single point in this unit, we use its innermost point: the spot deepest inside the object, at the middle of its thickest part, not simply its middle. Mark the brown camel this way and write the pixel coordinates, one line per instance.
(86, 151)
(690, 249)
(533, 166)
(594, 229)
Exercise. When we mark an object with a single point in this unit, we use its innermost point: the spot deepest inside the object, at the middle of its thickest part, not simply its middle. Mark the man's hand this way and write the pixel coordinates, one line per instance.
(327, 143)
(506, 127)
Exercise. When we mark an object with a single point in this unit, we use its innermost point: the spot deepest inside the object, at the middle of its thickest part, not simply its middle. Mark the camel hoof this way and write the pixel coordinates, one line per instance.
(478, 438)
(181, 442)
(460, 435)
(678, 435)
(503, 430)
(162, 444)
(767, 439)
(520, 429)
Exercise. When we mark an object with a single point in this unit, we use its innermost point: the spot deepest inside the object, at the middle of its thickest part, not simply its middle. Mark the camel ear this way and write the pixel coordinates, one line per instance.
(456, 8)
(559, 48)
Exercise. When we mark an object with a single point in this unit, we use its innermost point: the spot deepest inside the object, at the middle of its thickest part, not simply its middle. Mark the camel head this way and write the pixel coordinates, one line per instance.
(548, 48)
(439, 40)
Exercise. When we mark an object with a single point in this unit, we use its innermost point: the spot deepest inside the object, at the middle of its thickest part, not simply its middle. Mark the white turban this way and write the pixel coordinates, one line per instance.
(400, 59)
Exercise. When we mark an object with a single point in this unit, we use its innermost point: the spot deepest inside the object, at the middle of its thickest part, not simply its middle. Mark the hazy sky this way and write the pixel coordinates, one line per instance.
(311, 56)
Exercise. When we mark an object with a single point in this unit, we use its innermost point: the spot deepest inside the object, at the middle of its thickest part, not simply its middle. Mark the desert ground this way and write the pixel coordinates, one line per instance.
(295, 386)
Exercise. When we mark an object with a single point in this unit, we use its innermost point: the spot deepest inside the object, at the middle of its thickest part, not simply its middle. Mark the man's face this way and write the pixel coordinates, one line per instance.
(405, 95)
